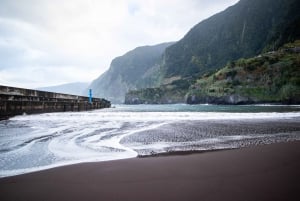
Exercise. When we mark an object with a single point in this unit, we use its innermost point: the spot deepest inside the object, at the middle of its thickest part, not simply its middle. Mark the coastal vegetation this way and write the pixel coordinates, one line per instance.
(272, 77)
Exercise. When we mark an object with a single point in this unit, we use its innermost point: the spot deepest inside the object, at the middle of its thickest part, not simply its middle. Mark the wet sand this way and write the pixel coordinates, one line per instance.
(187, 136)
(266, 172)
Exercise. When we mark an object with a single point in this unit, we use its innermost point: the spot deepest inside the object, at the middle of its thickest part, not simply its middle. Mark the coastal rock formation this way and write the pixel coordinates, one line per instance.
(208, 65)
(171, 72)
(155, 96)
(271, 77)
(230, 99)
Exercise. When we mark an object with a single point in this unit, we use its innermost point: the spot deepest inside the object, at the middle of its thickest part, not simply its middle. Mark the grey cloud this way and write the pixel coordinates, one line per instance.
(65, 41)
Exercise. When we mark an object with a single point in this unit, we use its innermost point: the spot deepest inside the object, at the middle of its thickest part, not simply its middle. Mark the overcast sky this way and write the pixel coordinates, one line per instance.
(51, 42)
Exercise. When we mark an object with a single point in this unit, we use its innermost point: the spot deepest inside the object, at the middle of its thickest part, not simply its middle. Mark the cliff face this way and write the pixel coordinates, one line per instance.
(241, 31)
(139, 68)
(168, 94)
(272, 77)
(247, 29)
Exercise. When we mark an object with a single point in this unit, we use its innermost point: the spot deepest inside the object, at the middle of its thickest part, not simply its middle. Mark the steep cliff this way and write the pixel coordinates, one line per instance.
(139, 68)
(247, 29)
(241, 31)
(270, 77)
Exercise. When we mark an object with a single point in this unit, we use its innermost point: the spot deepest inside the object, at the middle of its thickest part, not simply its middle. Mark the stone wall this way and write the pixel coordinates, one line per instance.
(17, 101)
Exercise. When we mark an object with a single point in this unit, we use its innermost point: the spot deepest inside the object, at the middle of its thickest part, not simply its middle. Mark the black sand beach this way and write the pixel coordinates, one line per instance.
(199, 136)
(266, 172)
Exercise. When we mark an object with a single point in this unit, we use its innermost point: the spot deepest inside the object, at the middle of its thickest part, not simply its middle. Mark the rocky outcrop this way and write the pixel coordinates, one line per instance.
(155, 96)
(272, 77)
(226, 100)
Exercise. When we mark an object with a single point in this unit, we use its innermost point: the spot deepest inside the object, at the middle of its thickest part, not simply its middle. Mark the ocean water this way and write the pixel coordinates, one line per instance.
(35, 142)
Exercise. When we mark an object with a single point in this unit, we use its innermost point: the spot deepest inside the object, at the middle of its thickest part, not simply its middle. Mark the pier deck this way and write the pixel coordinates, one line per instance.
(17, 101)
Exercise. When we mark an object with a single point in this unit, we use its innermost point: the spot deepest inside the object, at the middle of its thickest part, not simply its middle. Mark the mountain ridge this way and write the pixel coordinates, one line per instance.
(138, 68)
(240, 31)
(271, 77)
(244, 30)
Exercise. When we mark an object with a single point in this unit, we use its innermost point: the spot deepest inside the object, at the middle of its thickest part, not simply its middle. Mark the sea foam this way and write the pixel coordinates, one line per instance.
(35, 142)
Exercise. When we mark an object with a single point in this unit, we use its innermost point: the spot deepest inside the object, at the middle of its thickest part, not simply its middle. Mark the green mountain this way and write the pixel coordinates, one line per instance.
(241, 31)
(137, 69)
(247, 29)
(272, 77)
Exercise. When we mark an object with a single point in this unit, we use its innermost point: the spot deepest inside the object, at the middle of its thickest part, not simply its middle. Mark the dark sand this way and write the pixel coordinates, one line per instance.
(267, 172)
(197, 135)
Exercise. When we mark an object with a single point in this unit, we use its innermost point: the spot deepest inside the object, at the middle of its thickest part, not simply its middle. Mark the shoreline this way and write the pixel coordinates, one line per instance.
(265, 172)
(191, 137)
(185, 153)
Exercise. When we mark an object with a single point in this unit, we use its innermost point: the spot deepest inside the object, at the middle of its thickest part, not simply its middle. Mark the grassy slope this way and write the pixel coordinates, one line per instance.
(271, 77)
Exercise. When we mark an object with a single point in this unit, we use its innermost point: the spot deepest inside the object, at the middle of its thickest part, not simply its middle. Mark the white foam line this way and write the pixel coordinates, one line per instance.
(119, 138)
(81, 124)
(92, 118)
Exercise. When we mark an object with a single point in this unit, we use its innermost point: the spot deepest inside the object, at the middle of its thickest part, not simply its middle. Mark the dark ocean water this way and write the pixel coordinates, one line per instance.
(208, 108)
